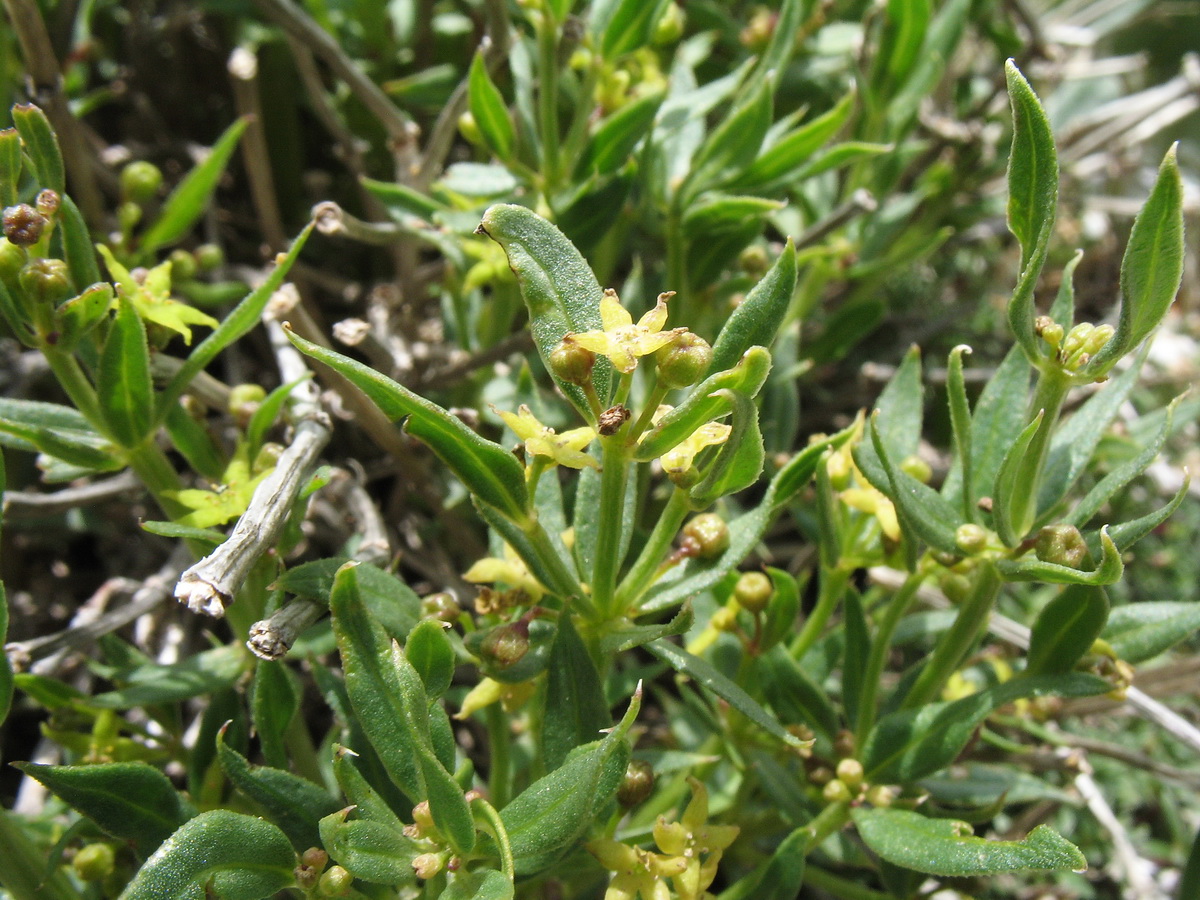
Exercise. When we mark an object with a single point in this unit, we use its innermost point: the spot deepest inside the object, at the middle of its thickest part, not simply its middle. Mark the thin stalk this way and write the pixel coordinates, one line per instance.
(549, 556)
(577, 131)
(499, 736)
(879, 649)
(640, 578)
(840, 887)
(828, 821)
(1052, 387)
(657, 395)
(956, 643)
(70, 375)
(615, 466)
(547, 38)
(830, 591)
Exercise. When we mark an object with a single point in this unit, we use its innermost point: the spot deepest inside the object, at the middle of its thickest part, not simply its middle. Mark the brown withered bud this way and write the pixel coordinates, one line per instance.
(985, 504)
(612, 419)
(47, 203)
(23, 225)
(441, 606)
(636, 785)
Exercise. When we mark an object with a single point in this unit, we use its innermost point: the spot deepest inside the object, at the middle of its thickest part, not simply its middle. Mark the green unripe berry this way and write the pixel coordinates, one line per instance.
(572, 363)
(684, 361)
(12, 260)
(140, 181)
(970, 538)
(45, 280)
(881, 795)
(753, 591)
(836, 791)
(183, 265)
(209, 257)
(754, 261)
(917, 468)
(637, 784)
(95, 862)
(23, 225)
(1061, 544)
(335, 882)
(441, 606)
(850, 773)
(244, 401)
(709, 533)
(669, 27)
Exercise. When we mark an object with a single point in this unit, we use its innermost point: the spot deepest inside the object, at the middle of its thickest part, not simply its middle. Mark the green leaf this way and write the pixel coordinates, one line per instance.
(76, 317)
(41, 146)
(77, 245)
(1032, 199)
(780, 878)
(1141, 631)
(900, 45)
(489, 110)
(6, 672)
(618, 135)
(1152, 268)
(707, 401)
(794, 696)
(480, 884)
(184, 206)
(960, 426)
(293, 803)
(203, 673)
(575, 710)
(486, 469)
(839, 155)
(274, 702)
(999, 414)
(780, 620)
(734, 143)
(84, 448)
(858, 651)
(10, 165)
(1011, 479)
(367, 801)
(402, 200)
(242, 857)
(693, 666)
(628, 26)
(432, 655)
(552, 815)
(615, 642)
(1108, 571)
(781, 160)
(1065, 630)
(739, 460)
(370, 850)
(1189, 881)
(906, 746)
(124, 388)
(235, 326)
(131, 801)
(373, 682)
(949, 848)
(392, 602)
(560, 291)
(714, 213)
(758, 318)
(1126, 534)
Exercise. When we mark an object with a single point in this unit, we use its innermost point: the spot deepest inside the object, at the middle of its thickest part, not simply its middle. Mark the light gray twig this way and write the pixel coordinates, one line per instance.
(28, 504)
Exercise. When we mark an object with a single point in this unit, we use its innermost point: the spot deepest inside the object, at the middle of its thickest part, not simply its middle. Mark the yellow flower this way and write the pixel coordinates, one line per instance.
(510, 570)
(637, 871)
(678, 459)
(622, 341)
(872, 502)
(564, 449)
(691, 837)
(511, 696)
(151, 297)
(230, 498)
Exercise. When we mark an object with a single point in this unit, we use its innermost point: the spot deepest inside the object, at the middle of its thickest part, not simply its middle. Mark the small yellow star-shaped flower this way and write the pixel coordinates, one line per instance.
(679, 458)
(621, 340)
(691, 838)
(564, 449)
(637, 871)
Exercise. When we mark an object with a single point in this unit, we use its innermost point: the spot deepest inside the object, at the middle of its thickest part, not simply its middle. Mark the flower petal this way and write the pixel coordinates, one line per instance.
(612, 314)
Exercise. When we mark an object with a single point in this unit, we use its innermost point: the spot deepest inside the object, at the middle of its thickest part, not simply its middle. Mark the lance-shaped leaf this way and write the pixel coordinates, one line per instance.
(900, 45)
(293, 803)
(794, 696)
(739, 460)
(949, 848)
(78, 250)
(238, 857)
(432, 655)
(781, 160)
(367, 801)
(576, 710)
(624, 639)
(1152, 267)
(85, 449)
(370, 850)
(485, 468)
(617, 136)
(488, 109)
(734, 143)
(707, 401)
(184, 206)
(211, 670)
(559, 288)
(552, 815)
(1009, 481)
(274, 703)
(41, 146)
(124, 388)
(10, 165)
(1032, 198)
(757, 319)
(960, 425)
(129, 800)
(1126, 534)
(1065, 629)
(1140, 631)
(627, 26)
(1108, 571)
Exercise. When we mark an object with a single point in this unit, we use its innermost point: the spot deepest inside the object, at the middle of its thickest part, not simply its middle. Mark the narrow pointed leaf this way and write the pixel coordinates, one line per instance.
(1141, 631)
(1065, 629)
(1108, 571)
(10, 165)
(489, 110)
(124, 387)
(758, 318)
(41, 146)
(241, 857)
(77, 246)
(779, 161)
(949, 848)
(960, 425)
(184, 206)
(739, 460)
(370, 850)
(274, 703)
(629, 26)
(575, 710)
(1009, 482)
(1126, 534)
(735, 142)
(617, 136)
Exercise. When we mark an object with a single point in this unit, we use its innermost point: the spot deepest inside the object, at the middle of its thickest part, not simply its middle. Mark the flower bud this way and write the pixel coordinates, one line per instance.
(76, 317)
(881, 795)
(636, 785)
(244, 401)
(917, 468)
(850, 773)
(710, 533)
(836, 791)
(724, 619)
(820, 775)
(267, 457)
(95, 862)
(183, 265)
(426, 865)
(684, 361)
(315, 857)
(441, 606)
(469, 129)
(844, 744)
(669, 27)
(753, 591)
(423, 818)
(23, 225)
(572, 363)
(335, 882)
(209, 257)
(1099, 336)
(756, 35)
(1073, 342)
(140, 181)
(45, 280)
(128, 216)
(1049, 331)
(970, 539)
(47, 203)
(1061, 544)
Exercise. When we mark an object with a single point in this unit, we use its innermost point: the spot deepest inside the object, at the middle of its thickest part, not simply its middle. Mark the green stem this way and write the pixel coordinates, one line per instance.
(566, 582)
(832, 587)
(578, 131)
(880, 646)
(956, 643)
(1052, 388)
(657, 395)
(499, 735)
(155, 471)
(840, 887)
(615, 466)
(828, 821)
(640, 578)
(70, 375)
(547, 38)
